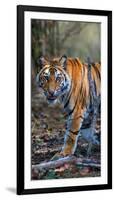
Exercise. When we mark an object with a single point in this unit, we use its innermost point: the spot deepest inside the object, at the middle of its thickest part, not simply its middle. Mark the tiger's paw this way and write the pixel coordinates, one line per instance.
(65, 153)
(57, 156)
(61, 154)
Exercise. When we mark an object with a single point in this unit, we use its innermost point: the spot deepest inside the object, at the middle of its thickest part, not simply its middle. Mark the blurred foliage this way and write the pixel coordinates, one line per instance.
(75, 39)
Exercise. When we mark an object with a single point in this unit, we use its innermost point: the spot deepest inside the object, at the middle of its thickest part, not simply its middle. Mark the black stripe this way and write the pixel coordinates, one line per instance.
(95, 87)
(76, 60)
(79, 117)
(70, 112)
(62, 97)
(66, 104)
(74, 132)
(75, 104)
(71, 61)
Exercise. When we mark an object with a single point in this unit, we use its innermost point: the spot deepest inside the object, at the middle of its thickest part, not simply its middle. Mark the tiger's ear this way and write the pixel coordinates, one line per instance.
(42, 61)
(63, 61)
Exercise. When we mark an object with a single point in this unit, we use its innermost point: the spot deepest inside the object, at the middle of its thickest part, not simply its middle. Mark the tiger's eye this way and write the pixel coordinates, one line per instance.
(46, 77)
(58, 79)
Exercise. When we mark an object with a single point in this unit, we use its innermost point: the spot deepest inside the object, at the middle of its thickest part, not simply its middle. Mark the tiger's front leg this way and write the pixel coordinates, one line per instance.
(72, 133)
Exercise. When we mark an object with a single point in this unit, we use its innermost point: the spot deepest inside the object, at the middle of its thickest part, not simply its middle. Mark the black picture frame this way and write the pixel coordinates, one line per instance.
(20, 98)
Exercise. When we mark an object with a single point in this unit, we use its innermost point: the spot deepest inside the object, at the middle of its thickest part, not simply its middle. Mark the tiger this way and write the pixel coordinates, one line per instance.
(66, 80)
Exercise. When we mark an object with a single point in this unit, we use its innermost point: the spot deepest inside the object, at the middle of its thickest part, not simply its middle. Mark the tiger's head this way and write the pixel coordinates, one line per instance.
(53, 78)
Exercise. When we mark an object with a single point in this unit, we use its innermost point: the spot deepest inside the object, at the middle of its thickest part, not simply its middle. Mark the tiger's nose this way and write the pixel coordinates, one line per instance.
(51, 92)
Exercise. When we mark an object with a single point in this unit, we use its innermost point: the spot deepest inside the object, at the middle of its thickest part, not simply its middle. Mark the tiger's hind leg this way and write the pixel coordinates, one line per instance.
(90, 133)
(90, 137)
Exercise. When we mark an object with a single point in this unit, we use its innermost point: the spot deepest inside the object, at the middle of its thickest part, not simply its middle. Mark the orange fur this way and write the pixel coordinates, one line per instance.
(78, 98)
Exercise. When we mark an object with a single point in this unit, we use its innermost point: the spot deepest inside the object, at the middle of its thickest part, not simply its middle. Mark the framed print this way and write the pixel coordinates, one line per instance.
(64, 99)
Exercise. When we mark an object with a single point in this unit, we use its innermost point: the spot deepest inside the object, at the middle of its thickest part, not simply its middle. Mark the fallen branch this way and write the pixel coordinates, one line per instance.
(66, 160)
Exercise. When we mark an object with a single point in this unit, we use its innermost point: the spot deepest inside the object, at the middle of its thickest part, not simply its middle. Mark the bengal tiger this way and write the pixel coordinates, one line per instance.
(66, 80)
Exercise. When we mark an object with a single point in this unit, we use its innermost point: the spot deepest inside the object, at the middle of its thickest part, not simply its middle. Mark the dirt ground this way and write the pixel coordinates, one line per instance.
(47, 131)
